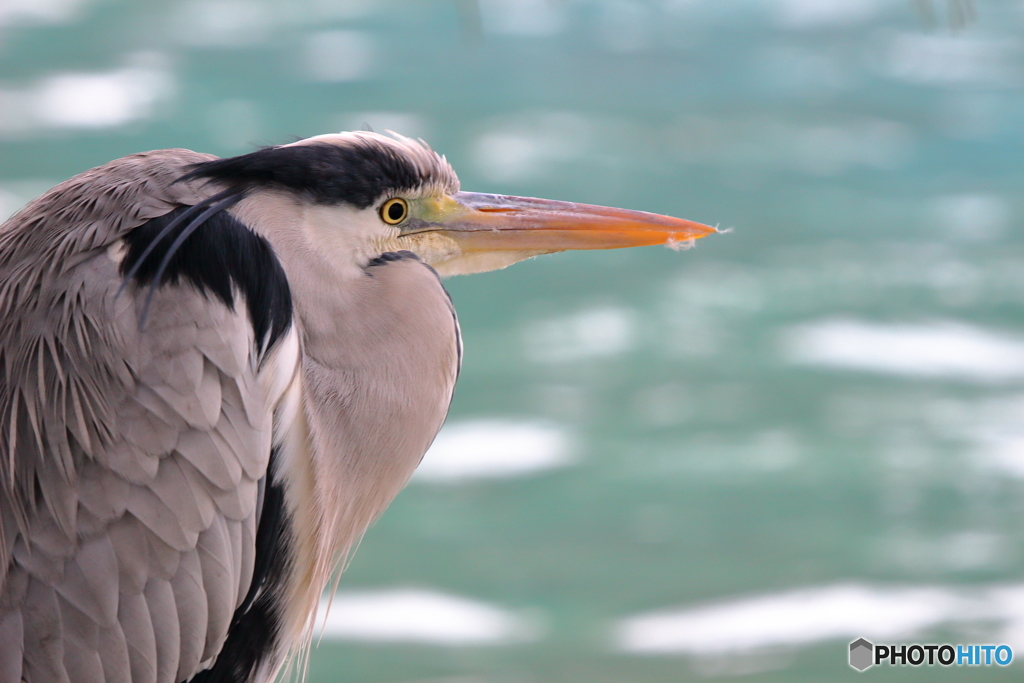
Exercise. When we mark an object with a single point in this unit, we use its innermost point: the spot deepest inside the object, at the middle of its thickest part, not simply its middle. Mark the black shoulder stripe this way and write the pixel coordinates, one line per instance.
(220, 254)
(355, 174)
(255, 627)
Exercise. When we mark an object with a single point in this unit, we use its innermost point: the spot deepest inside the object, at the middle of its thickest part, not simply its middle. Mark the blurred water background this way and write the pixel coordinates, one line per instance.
(659, 466)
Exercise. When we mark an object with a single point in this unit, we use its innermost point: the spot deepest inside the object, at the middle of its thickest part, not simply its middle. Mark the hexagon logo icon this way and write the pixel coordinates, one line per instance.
(861, 654)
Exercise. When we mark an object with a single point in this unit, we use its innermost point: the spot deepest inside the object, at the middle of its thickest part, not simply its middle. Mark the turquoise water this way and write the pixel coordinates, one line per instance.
(800, 432)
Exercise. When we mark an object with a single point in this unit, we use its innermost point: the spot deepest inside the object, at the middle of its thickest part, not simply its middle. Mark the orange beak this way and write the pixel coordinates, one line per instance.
(493, 222)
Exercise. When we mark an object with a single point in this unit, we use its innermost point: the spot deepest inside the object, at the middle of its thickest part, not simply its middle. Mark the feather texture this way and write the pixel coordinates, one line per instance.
(124, 502)
(163, 613)
(12, 645)
(144, 533)
(133, 615)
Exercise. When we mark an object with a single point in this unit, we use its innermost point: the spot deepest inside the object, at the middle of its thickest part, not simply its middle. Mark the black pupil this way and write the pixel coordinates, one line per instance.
(396, 211)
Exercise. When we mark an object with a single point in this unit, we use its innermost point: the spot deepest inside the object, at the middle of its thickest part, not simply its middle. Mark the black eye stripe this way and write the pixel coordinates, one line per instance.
(355, 173)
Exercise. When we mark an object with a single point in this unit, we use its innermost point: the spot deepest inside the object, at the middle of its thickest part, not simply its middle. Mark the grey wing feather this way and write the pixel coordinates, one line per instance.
(79, 629)
(84, 662)
(90, 580)
(219, 578)
(164, 614)
(129, 460)
(113, 652)
(12, 640)
(44, 642)
(133, 613)
(163, 521)
(101, 492)
(243, 538)
(131, 547)
(193, 614)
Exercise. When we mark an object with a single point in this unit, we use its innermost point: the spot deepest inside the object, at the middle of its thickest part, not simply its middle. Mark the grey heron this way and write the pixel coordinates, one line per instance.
(215, 374)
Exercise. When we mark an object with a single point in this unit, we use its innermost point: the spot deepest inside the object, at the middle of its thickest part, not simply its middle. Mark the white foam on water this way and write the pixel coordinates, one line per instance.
(794, 618)
(90, 100)
(40, 11)
(940, 59)
(593, 333)
(1005, 455)
(522, 145)
(820, 13)
(493, 449)
(101, 100)
(806, 617)
(522, 17)
(226, 23)
(418, 616)
(87, 100)
(948, 350)
(974, 217)
(1006, 604)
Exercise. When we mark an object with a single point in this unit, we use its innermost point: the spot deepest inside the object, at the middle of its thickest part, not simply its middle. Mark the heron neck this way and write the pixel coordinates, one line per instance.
(379, 361)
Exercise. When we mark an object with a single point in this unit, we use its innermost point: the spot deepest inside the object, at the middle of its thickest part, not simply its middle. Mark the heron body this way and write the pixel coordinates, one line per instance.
(216, 373)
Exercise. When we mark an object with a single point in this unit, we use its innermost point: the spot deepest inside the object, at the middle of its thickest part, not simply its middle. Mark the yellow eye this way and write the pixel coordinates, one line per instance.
(394, 211)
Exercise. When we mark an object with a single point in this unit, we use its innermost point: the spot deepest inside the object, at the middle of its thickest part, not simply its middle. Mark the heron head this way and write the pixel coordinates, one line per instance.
(375, 193)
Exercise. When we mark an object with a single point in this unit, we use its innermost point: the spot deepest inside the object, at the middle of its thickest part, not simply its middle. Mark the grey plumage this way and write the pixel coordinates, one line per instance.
(202, 409)
(132, 454)
(111, 474)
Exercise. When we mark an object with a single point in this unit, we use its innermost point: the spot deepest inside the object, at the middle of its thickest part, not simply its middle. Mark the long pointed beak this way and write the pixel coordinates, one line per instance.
(493, 222)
